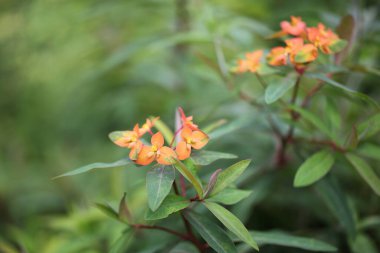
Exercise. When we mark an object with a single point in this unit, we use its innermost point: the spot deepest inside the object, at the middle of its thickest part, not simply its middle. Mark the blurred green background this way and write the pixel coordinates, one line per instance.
(72, 71)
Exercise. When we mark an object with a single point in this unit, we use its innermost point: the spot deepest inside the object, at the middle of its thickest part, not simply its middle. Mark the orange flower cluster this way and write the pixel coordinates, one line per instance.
(191, 137)
(301, 48)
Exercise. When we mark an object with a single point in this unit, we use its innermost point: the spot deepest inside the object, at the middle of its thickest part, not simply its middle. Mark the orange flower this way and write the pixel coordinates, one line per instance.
(163, 155)
(128, 139)
(277, 56)
(190, 139)
(147, 126)
(325, 39)
(251, 62)
(300, 53)
(187, 121)
(295, 27)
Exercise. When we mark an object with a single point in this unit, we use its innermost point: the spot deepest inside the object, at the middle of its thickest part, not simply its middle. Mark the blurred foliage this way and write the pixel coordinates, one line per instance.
(72, 71)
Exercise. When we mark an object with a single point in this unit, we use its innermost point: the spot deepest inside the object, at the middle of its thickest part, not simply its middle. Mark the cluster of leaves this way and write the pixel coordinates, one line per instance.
(165, 198)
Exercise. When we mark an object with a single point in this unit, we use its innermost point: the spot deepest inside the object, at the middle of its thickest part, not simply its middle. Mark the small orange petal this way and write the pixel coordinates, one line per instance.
(199, 139)
(183, 151)
(135, 150)
(186, 132)
(166, 156)
(277, 56)
(158, 140)
(146, 156)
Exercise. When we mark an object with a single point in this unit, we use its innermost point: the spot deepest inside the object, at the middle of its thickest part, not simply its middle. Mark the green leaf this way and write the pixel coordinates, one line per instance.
(287, 240)
(365, 69)
(171, 204)
(213, 126)
(335, 199)
(362, 244)
(124, 213)
(314, 168)
(367, 173)
(313, 119)
(89, 167)
(232, 223)
(278, 88)
(158, 184)
(108, 210)
(189, 175)
(212, 182)
(230, 196)
(369, 222)
(184, 247)
(229, 175)
(369, 150)
(207, 157)
(211, 233)
(335, 84)
(122, 242)
(230, 127)
(164, 129)
(369, 127)
(338, 46)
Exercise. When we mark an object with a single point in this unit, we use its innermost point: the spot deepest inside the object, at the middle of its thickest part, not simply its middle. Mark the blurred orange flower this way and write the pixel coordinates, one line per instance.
(299, 52)
(295, 27)
(251, 62)
(324, 39)
(277, 56)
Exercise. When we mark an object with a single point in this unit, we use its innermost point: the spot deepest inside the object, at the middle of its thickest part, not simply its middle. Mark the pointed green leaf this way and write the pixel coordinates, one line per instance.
(313, 119)
(158, 184)
(369, 127)
(230, 196)
(213, 126)
(211, 233)
(124, 213)
(93, 166)
(191, 177)
(363, 243)
(369, 150)
(232, 223)
(171, 204)
(338, 46)
(204, 157)
(108, 210)
(164, 129)
(288, 240)
(184, 247)
(278, 88)
(367, 173)
(365, 69)
(229, 175)
(314, 168)
(212, 182)
(369, 222)
(335, 84)
(335, 199)
(121, 244)
(230, 127)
